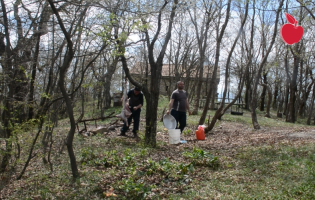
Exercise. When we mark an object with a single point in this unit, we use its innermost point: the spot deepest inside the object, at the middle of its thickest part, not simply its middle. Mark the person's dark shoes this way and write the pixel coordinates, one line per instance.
(122, 134)
(135, 135)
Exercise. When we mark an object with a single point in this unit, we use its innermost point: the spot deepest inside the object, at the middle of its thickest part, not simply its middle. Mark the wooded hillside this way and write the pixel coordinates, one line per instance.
(63, 60)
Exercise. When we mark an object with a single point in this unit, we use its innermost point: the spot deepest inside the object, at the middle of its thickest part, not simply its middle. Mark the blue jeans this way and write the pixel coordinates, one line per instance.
(180, 119)
(136, 120)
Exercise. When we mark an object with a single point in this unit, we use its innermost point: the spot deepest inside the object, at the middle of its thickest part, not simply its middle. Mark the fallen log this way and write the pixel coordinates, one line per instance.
(99, 118)
(80, 120)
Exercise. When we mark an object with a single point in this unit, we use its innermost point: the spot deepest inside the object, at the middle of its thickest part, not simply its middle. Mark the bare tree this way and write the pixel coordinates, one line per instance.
(202, 33)
(41, 30)
(152, 91)
(220, 34)
(311, 108)
(260, 67)
(66, 64)
(15, 62)
(220, 112)
(248, 80)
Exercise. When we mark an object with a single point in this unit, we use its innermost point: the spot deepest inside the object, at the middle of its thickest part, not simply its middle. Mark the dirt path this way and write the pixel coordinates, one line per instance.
(233, 135)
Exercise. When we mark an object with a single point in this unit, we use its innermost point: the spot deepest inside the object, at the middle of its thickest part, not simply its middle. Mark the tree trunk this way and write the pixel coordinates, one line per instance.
(151, 94)
(69, 140)
(198, 91)
(63, 69)
(202, 37)
(304, 99)
(310, 114)
(8, 107)
(286, 98)
(248, 77)
(6, 119)
(32, 84)
(150, 131)
(221, 110)
(216, 64)
(30, 156)
(248, 91)
(293, 85)
(214, 96)
(280, 106)
(306, 91)
(219, 113)
(106, 85)
(256, 80)
(263, 94)
(269, 100)
(276, 90)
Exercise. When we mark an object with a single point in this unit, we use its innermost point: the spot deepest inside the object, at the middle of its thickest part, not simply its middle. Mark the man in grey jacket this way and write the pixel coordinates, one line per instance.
(179, 105)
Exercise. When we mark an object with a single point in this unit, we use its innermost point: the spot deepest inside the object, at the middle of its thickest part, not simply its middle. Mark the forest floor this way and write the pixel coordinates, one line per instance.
(233, 162)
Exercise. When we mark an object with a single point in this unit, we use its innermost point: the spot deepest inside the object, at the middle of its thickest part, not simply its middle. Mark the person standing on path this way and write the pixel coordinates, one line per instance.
(135, 97)
(179, 105)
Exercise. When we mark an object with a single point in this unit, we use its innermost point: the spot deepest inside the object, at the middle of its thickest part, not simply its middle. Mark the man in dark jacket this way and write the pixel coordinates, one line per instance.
(135, 97)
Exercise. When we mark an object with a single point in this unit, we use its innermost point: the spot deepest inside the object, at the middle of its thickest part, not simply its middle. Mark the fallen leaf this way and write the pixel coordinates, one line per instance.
(110, 193)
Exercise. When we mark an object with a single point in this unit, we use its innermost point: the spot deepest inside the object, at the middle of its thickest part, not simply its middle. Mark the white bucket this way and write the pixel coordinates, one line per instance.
(169, 122)
(174, 136)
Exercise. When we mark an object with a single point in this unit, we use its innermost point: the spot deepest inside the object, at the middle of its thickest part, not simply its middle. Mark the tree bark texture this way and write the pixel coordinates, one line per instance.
(269, 100)
(277, 83)
(152, 92)
(63, 69)
(264, 91)
(258, 73)
(216, 64)
(291, 117)
(202, 37)
(220, 112)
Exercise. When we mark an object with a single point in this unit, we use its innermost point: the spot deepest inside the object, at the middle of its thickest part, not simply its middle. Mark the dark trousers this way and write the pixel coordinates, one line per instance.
(180, 119)
(136, 120)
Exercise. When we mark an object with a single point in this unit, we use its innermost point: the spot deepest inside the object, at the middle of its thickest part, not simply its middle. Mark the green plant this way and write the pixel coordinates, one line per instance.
(185, 168)
(87, 154)
(151, 167)
(128, 159)
(143, 153)
(201, 157)
(166, 165)
(187, 132)
(134, 189)
(103, 162)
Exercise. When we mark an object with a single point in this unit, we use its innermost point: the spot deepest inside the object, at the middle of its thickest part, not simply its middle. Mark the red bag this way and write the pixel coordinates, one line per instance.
(200, 133)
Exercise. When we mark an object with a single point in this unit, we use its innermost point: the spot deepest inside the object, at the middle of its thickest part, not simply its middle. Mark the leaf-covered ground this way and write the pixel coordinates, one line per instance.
(234, 161)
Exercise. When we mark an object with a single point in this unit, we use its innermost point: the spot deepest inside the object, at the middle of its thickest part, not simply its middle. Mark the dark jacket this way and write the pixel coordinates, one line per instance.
(135, 100)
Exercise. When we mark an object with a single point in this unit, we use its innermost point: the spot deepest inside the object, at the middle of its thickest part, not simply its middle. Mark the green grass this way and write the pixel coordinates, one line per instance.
(272, 172)
(274, 121)
(266, 172)
(134, 171)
